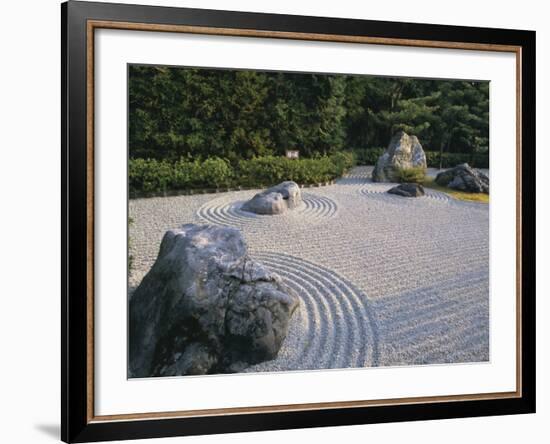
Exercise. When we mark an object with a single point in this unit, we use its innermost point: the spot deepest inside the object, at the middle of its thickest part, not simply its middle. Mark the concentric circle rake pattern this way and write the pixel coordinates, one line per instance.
(333, 326)
(381, 189)
(227, 211)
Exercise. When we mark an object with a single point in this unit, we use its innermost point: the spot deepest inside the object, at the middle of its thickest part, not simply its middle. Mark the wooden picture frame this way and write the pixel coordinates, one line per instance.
(79, 22)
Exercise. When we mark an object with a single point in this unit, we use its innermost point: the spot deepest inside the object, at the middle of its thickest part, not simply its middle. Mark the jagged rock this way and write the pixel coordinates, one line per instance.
(408, 190)
(403, 152)
(206, 307)
(464, 178)
(275, 200)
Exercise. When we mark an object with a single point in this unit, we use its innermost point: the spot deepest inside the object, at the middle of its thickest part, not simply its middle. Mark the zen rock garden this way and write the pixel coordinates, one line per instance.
(225, 294)
(297, 221)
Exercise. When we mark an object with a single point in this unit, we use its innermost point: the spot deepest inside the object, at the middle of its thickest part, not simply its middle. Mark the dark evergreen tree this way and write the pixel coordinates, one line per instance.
(232, 114)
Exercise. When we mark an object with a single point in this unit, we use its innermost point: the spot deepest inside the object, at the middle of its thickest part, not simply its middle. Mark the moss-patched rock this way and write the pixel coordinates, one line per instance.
(404, 152)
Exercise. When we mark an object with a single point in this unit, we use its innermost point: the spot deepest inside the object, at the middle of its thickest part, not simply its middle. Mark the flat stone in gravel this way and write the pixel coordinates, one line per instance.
(408, 190)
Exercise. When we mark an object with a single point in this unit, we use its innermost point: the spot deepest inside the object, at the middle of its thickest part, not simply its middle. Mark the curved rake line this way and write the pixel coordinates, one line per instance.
(347, 292)
(324, 340)
(339, 332)
(369, 189)
(223, 212)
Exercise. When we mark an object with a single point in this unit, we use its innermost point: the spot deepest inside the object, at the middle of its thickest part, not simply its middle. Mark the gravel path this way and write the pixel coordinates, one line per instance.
(383, 280)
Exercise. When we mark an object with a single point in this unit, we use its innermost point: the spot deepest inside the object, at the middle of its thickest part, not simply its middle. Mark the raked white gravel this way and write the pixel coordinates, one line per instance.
(383, 280)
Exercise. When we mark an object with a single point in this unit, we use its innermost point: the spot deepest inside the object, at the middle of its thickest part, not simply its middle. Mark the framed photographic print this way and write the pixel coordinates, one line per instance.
(276, 221)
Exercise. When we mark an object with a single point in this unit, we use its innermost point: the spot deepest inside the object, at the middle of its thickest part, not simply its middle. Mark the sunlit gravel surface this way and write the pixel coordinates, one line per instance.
(383, 280)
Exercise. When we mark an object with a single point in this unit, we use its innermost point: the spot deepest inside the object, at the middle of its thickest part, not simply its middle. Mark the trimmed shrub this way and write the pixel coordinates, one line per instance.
(263, 171)
(342, 161)
(150, 176)
(186, 174)
(270, 170)
(215, 172)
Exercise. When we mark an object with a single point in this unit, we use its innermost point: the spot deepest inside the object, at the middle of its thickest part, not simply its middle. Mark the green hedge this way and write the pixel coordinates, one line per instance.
(369, 156)
(451, 160)
(150, 175)
(269, 170)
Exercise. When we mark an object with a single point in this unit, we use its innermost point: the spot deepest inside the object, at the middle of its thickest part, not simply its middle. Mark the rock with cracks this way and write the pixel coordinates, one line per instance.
(206, 307)
(404, 152)
(275, 200)
(464, 178)
(408, 190)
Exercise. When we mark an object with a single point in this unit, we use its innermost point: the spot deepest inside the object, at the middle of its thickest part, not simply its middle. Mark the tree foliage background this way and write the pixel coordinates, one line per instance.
(233, 114)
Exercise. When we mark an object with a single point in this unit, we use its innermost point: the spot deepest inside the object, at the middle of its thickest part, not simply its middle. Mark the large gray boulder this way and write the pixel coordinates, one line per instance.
(464, 178)
(206, 307)
(408, 190)
(275, 200)
(403, 152)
